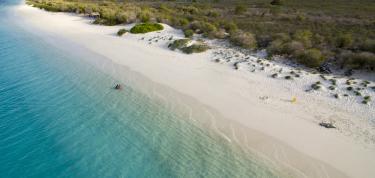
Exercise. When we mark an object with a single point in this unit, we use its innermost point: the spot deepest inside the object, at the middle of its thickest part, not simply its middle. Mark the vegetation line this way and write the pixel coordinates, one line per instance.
(312, 32)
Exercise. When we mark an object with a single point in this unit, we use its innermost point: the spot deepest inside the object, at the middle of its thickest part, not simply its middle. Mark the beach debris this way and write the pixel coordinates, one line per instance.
(274, 75)
(349, 88)
(118, 87)
(264, 98)
(331, 87)
(327, 125)
(336, 96)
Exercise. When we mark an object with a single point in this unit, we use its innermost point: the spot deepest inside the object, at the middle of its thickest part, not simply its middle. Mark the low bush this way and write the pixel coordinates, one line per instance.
(344, 40)
(188, 33)
(360, 60)
(122, 32)
(240, 9)
(311, 58)
(144, 16)
(275, 47)
(178, 44)
(304, 36)
(292, 48)
(229, 26)
(146, 27)
(276, 2)
(195, 48)
(220, 34)
(182, 44)
(368, 45)
(243, 39)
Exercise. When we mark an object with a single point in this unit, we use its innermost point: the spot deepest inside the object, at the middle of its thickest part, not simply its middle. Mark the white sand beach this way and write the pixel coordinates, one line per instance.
(249, 98)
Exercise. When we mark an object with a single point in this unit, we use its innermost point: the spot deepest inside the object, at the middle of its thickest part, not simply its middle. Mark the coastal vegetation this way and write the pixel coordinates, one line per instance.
(185, 47)
(122, 32)
(339, 32)
(146, 27)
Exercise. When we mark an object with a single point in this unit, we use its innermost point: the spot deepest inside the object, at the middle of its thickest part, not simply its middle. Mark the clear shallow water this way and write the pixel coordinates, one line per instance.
(59, 117)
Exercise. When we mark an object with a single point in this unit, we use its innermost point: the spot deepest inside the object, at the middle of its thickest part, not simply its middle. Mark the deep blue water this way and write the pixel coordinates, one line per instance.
(59, 117)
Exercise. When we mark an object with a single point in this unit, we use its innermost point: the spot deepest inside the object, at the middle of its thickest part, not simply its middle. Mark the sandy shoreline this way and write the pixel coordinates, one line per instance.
(234, 94)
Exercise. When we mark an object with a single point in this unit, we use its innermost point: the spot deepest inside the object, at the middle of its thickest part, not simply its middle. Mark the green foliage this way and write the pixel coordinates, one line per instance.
(304, 36)
(294, 48)
(276, 2)
(178, 44)
(229, 26)
(184, 22)
(360, 60)
(144, 16)
(369, 45)
(195, 48)
(122, 32)
(332, 25)
(275, 47)
(213, 13)
(311, 58)
(243, 39)
(240, 9)
(188, 33)
(182, 44)
(146, 27)
(344, 40)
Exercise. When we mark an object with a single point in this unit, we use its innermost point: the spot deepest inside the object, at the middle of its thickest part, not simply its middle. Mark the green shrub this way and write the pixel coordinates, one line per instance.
(283, 37)
(144, 16)
(311, 58)
(182, 44)
(122, 32)
(121, 18)
(229, 26)
(240, 9)
(195, 48)
(220, 34)
(146, 27)
(368, 45)
(344, 40)
(207, 27)
(203, 27)
(303, 36)
(243, 39)
(183, 22)
(360, 60)
(188, 33)
(276, 2)
(178, 44)
(275, 47)
(293, 48)
(213, 13)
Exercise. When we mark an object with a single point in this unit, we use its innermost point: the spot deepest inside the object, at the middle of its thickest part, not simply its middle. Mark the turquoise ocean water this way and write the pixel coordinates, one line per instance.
(59, 117)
